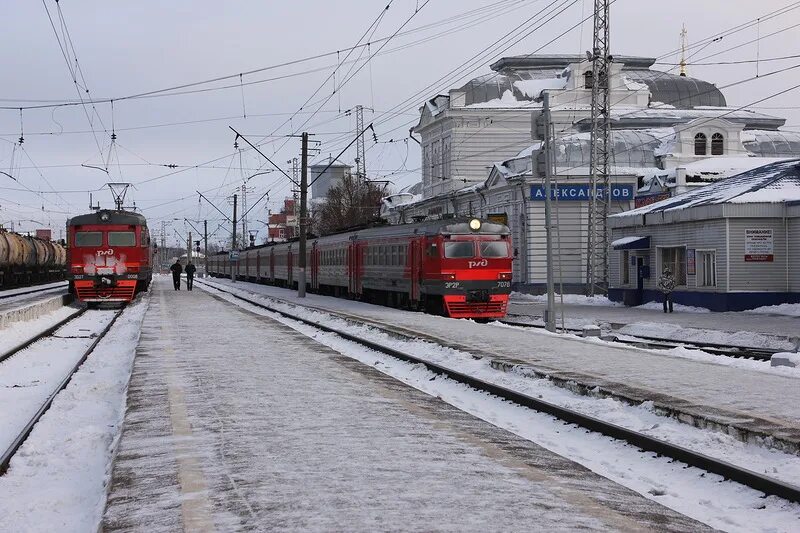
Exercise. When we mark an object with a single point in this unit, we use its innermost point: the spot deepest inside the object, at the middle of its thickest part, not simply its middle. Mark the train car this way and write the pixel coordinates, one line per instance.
(109, 256)
(28, 260)
(459, 267)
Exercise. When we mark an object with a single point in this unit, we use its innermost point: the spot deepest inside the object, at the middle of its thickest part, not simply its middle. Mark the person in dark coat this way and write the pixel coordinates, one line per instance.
(190, 270)
(666, 284)
(176, 274)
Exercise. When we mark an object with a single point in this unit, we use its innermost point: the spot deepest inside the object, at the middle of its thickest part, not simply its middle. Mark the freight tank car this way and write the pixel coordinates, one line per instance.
(28, 260)
(459, 268)
(109, 257)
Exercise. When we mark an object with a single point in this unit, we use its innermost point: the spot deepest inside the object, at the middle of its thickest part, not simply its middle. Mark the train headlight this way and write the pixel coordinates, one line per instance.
(104, 217)
(474, 224)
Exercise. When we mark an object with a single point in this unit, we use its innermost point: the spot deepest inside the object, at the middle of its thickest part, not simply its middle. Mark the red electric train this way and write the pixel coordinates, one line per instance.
(109, 256)
(458, 267)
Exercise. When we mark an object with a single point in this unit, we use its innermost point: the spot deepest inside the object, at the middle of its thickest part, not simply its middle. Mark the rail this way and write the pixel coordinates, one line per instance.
(754, 480)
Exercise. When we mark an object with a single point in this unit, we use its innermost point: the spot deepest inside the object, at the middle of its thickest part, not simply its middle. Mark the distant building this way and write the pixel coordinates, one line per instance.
(669, 132)
(284, 225)
(325, 175)
(44, 234)
(731, 245)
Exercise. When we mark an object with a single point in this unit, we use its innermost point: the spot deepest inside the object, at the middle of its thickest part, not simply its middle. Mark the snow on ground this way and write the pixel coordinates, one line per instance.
(782, 309)
(57, 480)
(56, 285)
(705, 497)
(19, 332)
(659, 306)
(575, 299)
(667, 331)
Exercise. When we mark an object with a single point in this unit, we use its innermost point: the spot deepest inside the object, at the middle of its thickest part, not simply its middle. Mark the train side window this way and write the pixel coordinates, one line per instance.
(89, 238)
(459, 249)
(121, 238)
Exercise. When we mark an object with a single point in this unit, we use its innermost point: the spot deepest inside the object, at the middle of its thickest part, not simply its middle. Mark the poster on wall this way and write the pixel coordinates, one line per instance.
(691, 268)
(758, 246)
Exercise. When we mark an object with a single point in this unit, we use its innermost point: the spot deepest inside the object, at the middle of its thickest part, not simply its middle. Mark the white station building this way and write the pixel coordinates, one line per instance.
(669, 133)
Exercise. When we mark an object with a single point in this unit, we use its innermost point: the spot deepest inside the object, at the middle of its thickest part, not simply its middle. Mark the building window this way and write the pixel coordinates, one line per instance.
(626, 267)
(588, 79)
(675, 259)
(700, 144)
(717, 144)
(708, 269)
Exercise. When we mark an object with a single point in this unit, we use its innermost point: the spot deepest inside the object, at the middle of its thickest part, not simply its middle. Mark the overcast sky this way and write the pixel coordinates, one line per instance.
(128, 48)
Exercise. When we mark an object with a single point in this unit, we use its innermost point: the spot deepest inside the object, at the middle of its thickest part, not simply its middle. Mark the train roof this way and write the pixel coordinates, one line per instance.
(113, 217)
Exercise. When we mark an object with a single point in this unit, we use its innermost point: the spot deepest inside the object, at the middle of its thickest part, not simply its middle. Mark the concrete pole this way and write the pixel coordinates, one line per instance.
(234, 265)
(547, 146)
(189, 248)
(205, 248)
(301, 278)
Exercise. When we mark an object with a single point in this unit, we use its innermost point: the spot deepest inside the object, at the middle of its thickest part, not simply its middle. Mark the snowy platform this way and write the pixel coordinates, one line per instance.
(31, 306)
(756, 404)
(237, 422)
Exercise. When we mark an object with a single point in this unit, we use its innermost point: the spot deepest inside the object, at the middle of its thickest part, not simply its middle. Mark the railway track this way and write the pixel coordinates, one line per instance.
(62, 381)
(660, 343)
(754, 480)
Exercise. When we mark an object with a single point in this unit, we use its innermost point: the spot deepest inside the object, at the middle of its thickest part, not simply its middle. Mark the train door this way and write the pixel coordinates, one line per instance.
(354, 267)
(314, 266)
(289, 268)
(416, 268)
(258, 266)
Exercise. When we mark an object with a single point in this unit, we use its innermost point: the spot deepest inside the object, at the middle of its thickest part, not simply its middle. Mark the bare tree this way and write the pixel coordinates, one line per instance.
(350, 203)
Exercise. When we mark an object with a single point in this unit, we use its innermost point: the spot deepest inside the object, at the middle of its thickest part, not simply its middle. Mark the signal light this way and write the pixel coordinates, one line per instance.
(504, 275)
(448, 276)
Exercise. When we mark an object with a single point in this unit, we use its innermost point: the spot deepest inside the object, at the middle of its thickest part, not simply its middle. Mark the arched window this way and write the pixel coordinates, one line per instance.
(717, 144)
(588, 79)
(700, 144)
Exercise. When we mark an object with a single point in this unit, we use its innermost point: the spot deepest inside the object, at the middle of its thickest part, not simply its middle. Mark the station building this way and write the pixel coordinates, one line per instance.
(731, 245)
(480, 144)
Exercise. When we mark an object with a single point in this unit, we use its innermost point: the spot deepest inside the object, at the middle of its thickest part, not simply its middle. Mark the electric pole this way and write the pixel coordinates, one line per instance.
(205, 248)
(301, 282)
(600, 199)
(361, 164)
(234, 249)
(189, 248)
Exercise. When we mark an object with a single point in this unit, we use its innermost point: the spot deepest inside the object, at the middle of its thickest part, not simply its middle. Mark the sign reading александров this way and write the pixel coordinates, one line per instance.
(581, 192)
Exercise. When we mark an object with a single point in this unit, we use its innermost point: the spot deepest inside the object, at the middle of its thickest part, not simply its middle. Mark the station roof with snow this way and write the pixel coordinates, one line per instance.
(774, 183)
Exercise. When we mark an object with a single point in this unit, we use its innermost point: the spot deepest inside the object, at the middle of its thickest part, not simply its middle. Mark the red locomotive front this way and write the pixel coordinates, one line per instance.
(108, 256)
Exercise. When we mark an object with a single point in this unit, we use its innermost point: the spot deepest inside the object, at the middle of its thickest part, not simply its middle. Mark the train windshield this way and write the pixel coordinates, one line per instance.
(88, 238)
(494, 249)
(121, 238)
(459, 249)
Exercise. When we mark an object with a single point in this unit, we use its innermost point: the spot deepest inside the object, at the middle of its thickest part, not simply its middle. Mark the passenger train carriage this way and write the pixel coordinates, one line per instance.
(108, 256)
(457, 267)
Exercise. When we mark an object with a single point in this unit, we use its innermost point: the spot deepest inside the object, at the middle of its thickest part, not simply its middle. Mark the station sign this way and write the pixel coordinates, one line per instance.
(233, 255)
(758, 246)
(581, 192)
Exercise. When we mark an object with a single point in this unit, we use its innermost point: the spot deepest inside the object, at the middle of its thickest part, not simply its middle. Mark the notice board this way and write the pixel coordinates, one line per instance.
(759, 246)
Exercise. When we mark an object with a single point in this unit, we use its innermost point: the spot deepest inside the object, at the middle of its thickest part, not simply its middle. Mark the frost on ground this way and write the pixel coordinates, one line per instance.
(667, 331)
(705, 497)
(57, 480)
(659, 306)
(572, 299)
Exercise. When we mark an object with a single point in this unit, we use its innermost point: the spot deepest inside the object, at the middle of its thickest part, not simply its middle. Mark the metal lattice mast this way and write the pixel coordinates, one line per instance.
(361, 166)
(600, 201)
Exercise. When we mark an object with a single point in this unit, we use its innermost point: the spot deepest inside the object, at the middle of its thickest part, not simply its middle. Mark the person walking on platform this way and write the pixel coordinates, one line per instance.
(190, 270)
(666, 284)
(176, 274)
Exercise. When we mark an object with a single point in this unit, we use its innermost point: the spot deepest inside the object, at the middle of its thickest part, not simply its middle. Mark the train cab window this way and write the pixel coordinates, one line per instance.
(494, 249)
(89, 238)
(121, 238)
(433, 250)
(459, 249)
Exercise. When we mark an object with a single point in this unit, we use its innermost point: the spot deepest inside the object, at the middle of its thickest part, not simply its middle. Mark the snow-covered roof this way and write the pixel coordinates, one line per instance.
(773, 183)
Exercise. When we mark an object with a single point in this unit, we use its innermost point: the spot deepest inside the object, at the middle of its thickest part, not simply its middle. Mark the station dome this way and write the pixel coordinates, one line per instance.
(679, 91)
